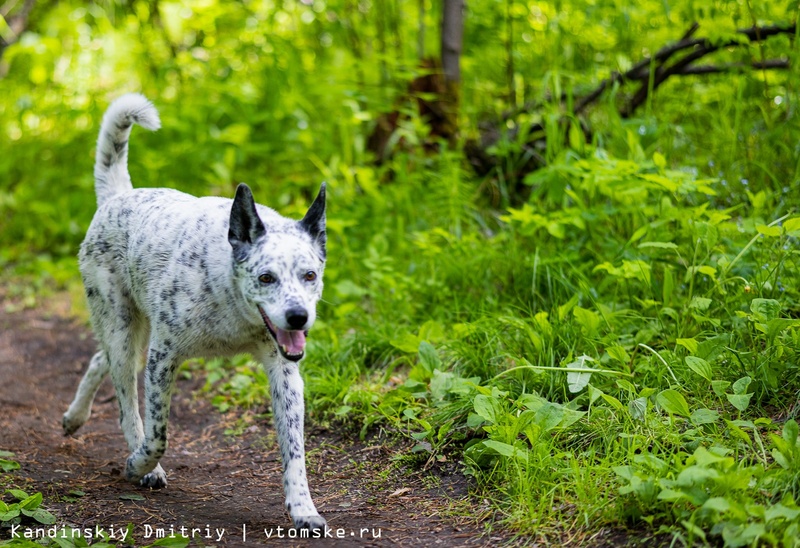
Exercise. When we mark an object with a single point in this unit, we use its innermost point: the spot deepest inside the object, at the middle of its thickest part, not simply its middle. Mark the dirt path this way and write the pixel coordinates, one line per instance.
(216, 481)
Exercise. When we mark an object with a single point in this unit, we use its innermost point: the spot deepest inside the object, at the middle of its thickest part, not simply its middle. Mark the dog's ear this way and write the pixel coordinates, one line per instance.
(314, 221)
(245, 225)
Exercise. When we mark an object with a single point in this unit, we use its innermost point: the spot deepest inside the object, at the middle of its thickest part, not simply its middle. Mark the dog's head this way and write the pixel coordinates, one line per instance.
(279, 269)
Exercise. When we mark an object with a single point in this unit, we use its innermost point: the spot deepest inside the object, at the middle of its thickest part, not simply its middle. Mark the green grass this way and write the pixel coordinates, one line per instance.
(681, 311)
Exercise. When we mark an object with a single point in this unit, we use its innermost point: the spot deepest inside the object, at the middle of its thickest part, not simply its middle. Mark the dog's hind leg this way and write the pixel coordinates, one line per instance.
(81, 407)
(124, 372)
(159, 379)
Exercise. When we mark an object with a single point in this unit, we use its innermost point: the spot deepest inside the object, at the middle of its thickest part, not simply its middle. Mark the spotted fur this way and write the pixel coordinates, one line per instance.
(169, 276)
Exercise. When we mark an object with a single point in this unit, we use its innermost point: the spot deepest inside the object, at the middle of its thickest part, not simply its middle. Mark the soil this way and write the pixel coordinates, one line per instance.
(216, 481)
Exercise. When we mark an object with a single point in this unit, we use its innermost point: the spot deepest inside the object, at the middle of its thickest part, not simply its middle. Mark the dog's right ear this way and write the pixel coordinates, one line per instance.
(245, 225)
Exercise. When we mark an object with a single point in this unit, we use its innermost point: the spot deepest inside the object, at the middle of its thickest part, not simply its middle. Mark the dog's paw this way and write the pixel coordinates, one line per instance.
(70, 423)
(312, 523)
(157, 479)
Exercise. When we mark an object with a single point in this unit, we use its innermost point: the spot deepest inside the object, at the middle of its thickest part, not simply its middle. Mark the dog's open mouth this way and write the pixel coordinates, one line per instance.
(291, 344)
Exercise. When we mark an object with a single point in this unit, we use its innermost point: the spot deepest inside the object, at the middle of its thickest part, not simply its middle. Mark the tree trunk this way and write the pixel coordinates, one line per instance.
(452, 39)
(421, 31)
(452, 36)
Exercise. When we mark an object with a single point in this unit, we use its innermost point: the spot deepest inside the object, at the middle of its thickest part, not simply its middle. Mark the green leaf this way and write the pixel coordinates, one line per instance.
(565, 308)
(720, 387)
(694, 529)
(131, 496)
(779, 511)
(32, 502)
(618, 353)
(428, 357)
(506, 450)
(740, 386)
(613, 402)
(587, 319)
(791, 225)
(41, 515)
(770, 231)
(790, 432)
(17, 494)
(639, 233)
(8, 465)
(708, 233)
(668, 287)
(637, 408)
(10, 514)
(571, 416)
(578, 381)
(700, 303)
(671, 495)
(704, 416)
(717, 504)
(699, 366)
(688, 344)
(739, 401)
(549, 416)
(673, 402)
(626, 385)
(407, 343)
(765, 310)
(177, 541)
(485, 407)
(594, 393)
(431, 331)
(776, 326)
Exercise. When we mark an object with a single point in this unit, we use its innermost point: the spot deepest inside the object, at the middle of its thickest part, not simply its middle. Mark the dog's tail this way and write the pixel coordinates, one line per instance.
(111, 162)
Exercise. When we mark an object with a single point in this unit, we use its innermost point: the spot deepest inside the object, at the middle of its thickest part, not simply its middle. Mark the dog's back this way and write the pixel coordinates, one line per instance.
(166, 253)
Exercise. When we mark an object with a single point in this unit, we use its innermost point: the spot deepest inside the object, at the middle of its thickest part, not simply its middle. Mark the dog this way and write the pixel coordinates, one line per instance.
(169, 276)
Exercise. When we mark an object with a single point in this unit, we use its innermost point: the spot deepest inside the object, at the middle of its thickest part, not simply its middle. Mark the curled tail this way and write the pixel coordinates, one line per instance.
(111, 162)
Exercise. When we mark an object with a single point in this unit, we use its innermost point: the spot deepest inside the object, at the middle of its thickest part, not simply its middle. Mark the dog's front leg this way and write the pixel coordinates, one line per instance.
(286, 388)
(159, 378)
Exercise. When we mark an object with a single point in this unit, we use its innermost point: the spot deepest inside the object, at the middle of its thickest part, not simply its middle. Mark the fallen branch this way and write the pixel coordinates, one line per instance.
(700, 47)
(772, 64)
(677, 59)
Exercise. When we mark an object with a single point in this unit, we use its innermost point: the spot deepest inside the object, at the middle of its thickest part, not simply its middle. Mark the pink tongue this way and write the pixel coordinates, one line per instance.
(294, 341)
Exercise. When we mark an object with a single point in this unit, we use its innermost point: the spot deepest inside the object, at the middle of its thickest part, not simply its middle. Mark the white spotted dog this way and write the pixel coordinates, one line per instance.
(174, 277)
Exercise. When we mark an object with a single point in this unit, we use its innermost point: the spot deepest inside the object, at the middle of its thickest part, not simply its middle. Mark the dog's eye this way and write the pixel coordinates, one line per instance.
(310, 276)
(266, 279)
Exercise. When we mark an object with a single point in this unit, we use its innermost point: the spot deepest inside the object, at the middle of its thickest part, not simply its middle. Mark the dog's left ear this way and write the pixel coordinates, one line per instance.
(245, 225)
(314, 221)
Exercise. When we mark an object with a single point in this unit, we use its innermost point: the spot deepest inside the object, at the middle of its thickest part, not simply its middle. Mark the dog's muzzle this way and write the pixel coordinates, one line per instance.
(291, 343)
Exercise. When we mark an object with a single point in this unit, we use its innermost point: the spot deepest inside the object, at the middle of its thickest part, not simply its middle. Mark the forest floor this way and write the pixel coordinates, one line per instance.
(216, 481)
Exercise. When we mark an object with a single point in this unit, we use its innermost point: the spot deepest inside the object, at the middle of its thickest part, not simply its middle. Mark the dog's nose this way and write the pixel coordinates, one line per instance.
(296, 317)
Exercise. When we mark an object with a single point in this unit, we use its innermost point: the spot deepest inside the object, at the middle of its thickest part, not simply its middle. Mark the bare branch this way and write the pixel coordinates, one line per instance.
(17, 23)
(677, 59)
(770, 64)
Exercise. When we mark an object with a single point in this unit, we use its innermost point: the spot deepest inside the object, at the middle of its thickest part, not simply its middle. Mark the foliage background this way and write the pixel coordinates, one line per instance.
(459, 310)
